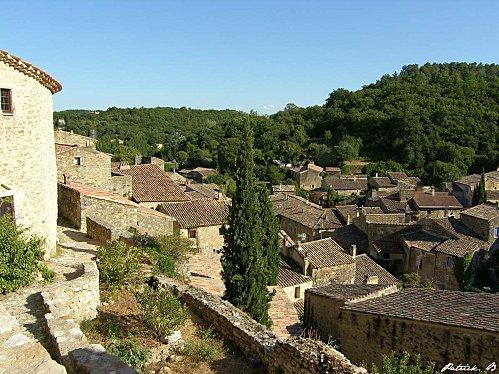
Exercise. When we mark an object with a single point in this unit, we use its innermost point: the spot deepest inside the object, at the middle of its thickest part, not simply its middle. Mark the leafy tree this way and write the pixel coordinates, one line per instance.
(403, 365)
(348, 148)
(245, 269)
(479, 194)
(464, 272)
(381, 167)
(332, 198)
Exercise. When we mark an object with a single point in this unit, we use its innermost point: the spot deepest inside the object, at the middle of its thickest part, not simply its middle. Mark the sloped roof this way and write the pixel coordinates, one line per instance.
(465, 309)
(290, 275)
(340, 184)
(423, 240)
(151, 184)
(366, 267)
(61, 148)
(87, 190)
(346, 291)
(438, 200)
(197, 213)
(325, 253)
(393, 206)
(31, 71)
(202, 190)
(483, 211)
(301, 210)
(348, 235)
(381, 182)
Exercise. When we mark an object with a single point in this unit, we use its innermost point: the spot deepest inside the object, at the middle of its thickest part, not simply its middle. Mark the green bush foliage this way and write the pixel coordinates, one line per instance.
(129, 351)
(48, 275)
(19, 255)
(404, 365)
(207, 348)
(162, 311)
(413, 280)
(118, 264)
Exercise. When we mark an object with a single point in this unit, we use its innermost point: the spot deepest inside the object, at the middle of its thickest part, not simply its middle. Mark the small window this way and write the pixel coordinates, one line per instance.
(192, 234)
(6, 100)
(297, 292)
(420, 265)
(496, 232)
(77, 160)
(450, 262)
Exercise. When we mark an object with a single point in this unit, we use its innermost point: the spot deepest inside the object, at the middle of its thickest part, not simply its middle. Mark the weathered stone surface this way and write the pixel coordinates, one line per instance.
(93, 359)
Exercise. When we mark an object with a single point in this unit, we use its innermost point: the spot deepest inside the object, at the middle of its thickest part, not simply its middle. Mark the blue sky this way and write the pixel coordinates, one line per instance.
(237, 54)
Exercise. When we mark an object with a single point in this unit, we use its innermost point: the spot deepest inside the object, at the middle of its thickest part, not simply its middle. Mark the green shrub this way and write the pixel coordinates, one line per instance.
(208, 348)
(162, 311)
(129, 351)
(118, 264)
(19, 254)
(404, 365)
(413, 280)
(47, 274)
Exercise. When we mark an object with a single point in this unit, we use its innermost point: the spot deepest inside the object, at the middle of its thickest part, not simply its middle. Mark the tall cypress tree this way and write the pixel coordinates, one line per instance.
(479, 194)
(244, 266)
(270, 236)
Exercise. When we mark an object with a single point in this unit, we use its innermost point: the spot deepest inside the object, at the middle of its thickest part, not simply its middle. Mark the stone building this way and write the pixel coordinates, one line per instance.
(308, 177)
(205, 190)
(197, 174)
(292, 280)
(463, 188)
(434, 204)
(441, 326)
(69, 137)
(483, 220)
(345, 187)
(84, 165)
(78, 201)
(323, 305)
(151, 186)
(28, 173)
(200, 220)
(303, 220)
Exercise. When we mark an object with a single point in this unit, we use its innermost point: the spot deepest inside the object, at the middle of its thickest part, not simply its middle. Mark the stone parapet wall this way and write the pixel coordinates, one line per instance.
(100, 230)
(69, 206)
(297, 355)
(153, 223)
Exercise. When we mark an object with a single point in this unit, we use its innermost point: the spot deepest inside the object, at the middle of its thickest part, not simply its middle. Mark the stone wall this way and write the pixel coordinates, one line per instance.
(69, 205)
(293, 229)
(27, 155)
(340, 274)
(296, 355)
(99, 230)
(66, 137)
(483, 228)
(364, 338)
(153, 223)
(94, 168)
(122, 185)
(119, 214)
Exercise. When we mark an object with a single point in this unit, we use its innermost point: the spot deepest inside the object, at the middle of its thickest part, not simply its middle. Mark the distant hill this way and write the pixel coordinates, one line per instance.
(437, 121)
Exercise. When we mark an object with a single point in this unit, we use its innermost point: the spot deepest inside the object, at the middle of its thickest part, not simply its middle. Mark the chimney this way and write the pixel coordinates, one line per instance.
(376, 175)
(357, 212)
(349, 220)
(373, 279)
(354, 178)
(432, 192)
(353, 250)
(219, 195)
(305, 265)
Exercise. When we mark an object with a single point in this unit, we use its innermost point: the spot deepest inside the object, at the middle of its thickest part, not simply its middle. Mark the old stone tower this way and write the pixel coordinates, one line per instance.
(28, 175)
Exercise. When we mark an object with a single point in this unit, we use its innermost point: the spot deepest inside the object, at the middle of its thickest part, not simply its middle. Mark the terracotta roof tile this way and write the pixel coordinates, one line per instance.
(366, 267)
(202, 190)
(346, 291)
(151, 184)
(483, 211)
(324, 253)
(31, 71)
(340, 184)
(381, 182)
(464, 309)
(439, 200)
(61, 148)
(290, 274)
(348, 235)
(197, 213)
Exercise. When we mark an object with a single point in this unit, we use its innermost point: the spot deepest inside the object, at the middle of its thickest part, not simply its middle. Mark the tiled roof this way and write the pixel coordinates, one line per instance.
(464, 309)
(393, 206)
(300, 307)
(366, 267)
(483, 211)
(312, 167)
(347, 210)
(340, 184)
(381, 182)
(301, 210)
(439, 200)
(202, 190)
(61, 148)
(176, 177)
(397, 175)
(197, 213)
(423, 240)
(460, 247)
(31, 71)
(151, 184)
(330, 169)
(87, 190)
(382, 246)
(371, 210)
(324, 253)
(205, 171)
(348, 235)
(290, 275)
(346, 291)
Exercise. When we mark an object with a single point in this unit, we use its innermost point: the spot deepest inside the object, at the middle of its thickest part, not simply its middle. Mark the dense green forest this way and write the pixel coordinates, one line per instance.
(436, 121)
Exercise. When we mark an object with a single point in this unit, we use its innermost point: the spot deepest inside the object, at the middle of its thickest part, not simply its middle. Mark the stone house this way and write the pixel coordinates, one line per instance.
(151, 186)
(303, 220)
(323, 305)
(463, 188)
(483, 220)
(69, 137)
(324, 261)
(84, 165)
(345, 187)
(289, 188)
(143, 160)
(197, 174)
(434, 204)
(205, 190)
(78, 201)
(441, 326)
(308, 177)
(292, 280)
(200, 220)
(333, 170)
(28, 172)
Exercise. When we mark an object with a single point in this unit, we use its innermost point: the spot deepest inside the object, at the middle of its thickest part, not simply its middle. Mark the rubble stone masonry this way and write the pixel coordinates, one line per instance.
(27, 154)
